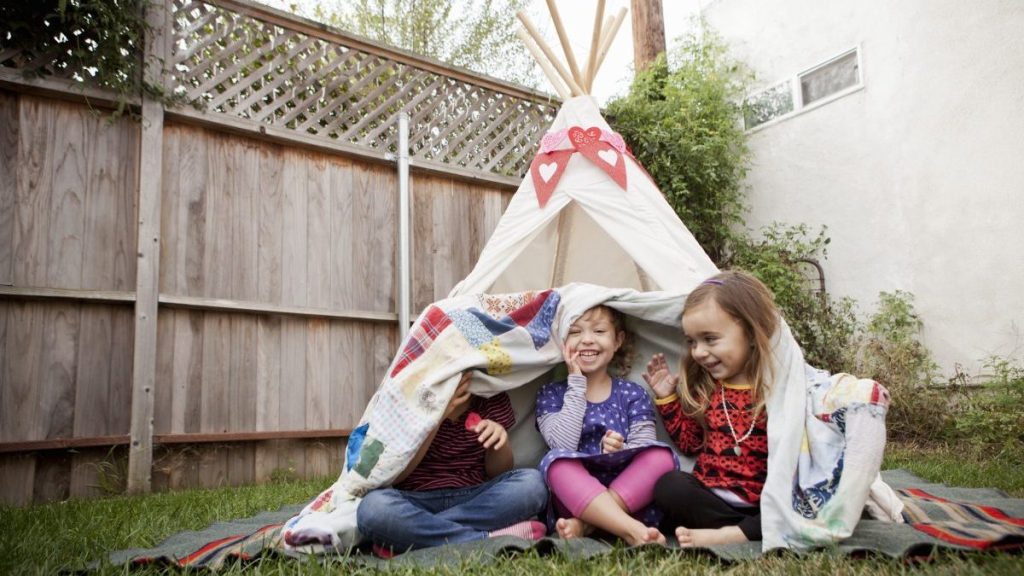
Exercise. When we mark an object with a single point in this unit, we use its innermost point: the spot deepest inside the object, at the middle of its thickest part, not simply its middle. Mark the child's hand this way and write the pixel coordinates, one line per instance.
(491, 434)
(659, 377)
(612, 442)
(570, 356)
(460, 396)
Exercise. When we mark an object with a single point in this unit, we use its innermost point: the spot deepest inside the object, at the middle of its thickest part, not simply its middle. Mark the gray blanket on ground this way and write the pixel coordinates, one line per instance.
(236, 540)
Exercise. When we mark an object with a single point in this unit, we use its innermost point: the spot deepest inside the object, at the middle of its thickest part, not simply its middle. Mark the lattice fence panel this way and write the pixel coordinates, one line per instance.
(264, 72)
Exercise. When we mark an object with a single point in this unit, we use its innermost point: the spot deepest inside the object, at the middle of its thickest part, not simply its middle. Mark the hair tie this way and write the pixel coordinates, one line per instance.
(714, 281)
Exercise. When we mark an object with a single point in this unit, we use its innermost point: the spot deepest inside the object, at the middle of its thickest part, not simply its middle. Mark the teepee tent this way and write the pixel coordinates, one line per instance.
(591, 228)
(587, 212)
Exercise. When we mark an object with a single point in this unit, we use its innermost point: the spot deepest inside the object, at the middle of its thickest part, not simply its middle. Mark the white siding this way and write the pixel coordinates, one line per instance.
(919, 176)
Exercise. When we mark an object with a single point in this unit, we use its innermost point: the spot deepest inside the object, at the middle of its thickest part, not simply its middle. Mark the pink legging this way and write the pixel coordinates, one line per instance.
(574, 487)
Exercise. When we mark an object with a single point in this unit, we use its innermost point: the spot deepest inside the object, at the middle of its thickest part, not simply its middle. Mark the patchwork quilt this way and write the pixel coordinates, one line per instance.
(826, 433)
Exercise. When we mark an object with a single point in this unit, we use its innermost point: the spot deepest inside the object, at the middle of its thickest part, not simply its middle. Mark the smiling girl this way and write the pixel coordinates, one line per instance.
(604, 458)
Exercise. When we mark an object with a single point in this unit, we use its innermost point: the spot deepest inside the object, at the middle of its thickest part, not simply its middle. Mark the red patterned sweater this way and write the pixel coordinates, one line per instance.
(717, 465)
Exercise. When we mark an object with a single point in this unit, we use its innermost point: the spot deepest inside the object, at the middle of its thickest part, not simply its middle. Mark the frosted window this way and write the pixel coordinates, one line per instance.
(833, 77)
(768, 104)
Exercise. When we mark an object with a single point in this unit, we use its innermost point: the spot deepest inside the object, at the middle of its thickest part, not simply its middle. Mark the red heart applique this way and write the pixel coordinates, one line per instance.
(588, 142)
(472, 419)
(546, 171)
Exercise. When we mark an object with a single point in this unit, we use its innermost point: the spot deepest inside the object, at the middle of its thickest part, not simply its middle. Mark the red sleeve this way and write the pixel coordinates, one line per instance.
(686, 432)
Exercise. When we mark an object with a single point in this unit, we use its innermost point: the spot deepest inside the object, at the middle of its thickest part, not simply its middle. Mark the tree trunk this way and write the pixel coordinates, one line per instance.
(648, 32)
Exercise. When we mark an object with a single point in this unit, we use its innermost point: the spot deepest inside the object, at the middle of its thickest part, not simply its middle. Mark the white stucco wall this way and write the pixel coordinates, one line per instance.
(919, 176)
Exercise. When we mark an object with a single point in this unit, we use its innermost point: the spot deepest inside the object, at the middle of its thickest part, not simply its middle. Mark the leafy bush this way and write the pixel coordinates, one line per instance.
(97, 43)
(994, 414)
(889, 350)
(823, 327)
(681, 121)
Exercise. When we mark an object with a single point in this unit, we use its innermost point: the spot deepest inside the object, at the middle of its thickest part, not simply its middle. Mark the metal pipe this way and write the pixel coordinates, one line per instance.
(404, 272)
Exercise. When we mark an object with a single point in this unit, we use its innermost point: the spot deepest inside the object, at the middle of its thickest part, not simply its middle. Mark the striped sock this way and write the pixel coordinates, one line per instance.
(528, 529)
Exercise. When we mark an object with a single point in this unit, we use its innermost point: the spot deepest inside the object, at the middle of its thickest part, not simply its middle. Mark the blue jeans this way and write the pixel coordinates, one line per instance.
(407, 519)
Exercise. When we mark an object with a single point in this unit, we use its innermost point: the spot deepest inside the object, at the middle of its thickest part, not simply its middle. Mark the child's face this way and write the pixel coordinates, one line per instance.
(717, 342)
(595, 339)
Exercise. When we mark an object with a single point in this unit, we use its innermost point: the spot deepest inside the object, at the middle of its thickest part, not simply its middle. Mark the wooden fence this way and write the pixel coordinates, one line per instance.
(208, 298)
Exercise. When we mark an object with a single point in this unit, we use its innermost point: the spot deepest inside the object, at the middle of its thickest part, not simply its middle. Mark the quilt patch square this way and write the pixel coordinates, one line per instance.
(433, 322)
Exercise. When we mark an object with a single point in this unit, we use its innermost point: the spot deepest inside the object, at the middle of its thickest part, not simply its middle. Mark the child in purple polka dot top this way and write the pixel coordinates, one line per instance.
(604, 457)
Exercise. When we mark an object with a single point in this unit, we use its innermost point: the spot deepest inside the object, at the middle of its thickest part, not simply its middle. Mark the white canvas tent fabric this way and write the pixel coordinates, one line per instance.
(644, 261)
(590, 230)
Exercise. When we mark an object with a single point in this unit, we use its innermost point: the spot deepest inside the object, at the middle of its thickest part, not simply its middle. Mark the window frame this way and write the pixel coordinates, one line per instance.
(796, 87)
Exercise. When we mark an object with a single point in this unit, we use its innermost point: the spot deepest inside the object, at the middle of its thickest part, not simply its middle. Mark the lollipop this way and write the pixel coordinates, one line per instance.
(472, 419)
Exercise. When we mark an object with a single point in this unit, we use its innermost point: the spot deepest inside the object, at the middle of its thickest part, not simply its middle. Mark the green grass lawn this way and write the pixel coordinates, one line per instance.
(67, 535)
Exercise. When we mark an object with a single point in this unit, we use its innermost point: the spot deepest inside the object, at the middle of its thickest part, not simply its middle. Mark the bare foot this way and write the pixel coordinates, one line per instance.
(647, 535)
(689, 538)
(569, 528)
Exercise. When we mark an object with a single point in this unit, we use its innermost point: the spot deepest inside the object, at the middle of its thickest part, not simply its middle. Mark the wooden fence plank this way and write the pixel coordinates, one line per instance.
(318, 387)
(293, 217)
(422, 250)
(102, 195)
(23, 371)
(319, 249)
(187, 354)
(241, 459)
(121, 355)
(217, 265)
(343, 273)
(384, 256)
(32, 198)
(127, 213)
(364, 185)
(216, 372)
(55, 416)
(293, 402)
(270, 195)
(194, 183)
(215, 411)
(92, 390)
(172, 255)
(72, 144)
(244, 224)
(268, 392)
(346, 400)
(448, 221)
(92, 394)
(8, 181)
(163, 394)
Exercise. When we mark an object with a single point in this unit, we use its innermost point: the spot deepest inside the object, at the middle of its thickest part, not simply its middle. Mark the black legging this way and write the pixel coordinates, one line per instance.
(687, 502)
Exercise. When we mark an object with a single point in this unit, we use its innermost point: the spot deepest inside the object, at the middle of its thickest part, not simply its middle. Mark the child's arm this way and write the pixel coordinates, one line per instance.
(562, 429)
(641, 431)
(498, 457)
(458, 401)
(685, 431)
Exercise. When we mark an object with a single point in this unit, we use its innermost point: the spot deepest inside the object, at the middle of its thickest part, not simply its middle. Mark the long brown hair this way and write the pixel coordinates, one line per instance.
(746, 299)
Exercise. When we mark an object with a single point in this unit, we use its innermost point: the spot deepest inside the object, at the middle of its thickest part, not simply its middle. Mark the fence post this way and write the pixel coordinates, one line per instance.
(404, 275)
(147, 274)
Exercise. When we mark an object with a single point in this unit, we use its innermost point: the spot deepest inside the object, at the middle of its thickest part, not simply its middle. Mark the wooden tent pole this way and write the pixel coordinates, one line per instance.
(550, 72)
(564, 40)
(576, 89)
(609, 36)
(594, 42)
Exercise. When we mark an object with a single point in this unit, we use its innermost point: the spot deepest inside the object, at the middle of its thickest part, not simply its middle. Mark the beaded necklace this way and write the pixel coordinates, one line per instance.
(737, 450)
